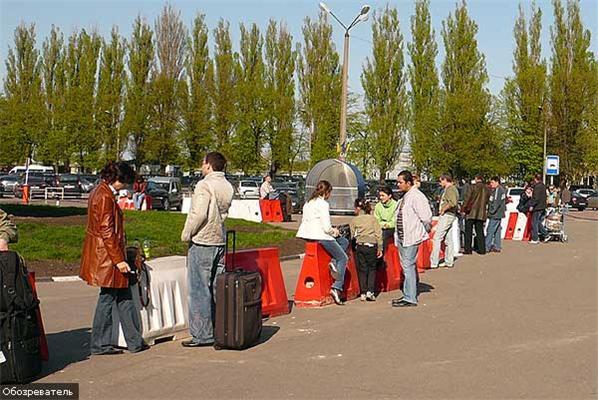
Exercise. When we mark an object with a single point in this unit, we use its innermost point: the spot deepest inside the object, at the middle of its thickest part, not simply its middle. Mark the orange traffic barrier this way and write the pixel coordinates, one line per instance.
(267, 262)
(315, 281)
(126, 204)
(45, 353)
(425, 251)
(25, 194)
(276, 211)
(390, 278)
(511, 225)
(266, 210)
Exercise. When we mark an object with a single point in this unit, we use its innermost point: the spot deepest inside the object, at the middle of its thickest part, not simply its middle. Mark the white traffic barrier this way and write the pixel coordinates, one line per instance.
(504, 223)
(186, 205)
(167, 314)
(248, 210)
(456, 232)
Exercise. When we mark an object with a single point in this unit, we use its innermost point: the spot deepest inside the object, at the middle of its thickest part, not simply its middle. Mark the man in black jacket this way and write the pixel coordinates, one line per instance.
(537, 207)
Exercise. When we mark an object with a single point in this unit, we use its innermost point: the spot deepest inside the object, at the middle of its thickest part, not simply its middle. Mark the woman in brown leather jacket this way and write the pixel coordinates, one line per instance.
(103, 262)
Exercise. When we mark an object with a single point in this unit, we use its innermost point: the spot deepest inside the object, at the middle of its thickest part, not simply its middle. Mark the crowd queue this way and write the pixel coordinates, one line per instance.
(407, 222)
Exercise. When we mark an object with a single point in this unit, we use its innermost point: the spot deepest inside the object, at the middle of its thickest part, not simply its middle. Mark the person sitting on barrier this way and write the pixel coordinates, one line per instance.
(266, 188)
(8, 231)
(367, 233)
(205, 232)
(316, 225)
(384, 212)
(103, 263)
(414, 221)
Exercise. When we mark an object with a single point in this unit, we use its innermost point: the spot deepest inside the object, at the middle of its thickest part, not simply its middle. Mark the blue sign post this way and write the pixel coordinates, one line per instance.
(552, 165)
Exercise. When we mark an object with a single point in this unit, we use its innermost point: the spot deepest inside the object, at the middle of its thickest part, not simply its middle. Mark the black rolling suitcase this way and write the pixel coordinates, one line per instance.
(20, 349)
(238, 323)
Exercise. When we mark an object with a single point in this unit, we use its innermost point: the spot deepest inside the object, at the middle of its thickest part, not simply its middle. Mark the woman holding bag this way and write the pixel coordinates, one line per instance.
(103, 262)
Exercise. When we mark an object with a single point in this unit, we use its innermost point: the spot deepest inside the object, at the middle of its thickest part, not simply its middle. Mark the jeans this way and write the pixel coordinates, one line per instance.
(443, 232)
(480, 242)
(138, 200)
(408, 259)
(338, 251)
(101, 331)
(367, 261)
(537, 227)
(493, 234)
(203, 266)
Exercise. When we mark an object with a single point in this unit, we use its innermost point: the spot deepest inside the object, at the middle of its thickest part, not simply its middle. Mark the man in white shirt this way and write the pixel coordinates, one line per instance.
(266, 188)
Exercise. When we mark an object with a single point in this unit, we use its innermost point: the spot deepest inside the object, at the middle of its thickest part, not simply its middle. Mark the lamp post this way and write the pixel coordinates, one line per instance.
(363, 16)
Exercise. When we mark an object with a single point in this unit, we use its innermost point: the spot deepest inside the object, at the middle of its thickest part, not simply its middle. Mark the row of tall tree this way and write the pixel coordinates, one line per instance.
(164, 96)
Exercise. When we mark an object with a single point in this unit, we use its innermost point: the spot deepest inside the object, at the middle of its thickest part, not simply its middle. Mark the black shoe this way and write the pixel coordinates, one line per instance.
(404, 303)
(396, 301)
(144, 347)
(192, 343)
(336, 296)
(108, 352)
(467, 252)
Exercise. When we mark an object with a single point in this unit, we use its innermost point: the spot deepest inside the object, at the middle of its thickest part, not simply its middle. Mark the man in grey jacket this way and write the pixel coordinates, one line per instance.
(204, 231)
(496, 212)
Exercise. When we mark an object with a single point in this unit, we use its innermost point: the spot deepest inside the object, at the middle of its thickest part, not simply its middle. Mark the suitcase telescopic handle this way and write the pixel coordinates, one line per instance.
(228, 235)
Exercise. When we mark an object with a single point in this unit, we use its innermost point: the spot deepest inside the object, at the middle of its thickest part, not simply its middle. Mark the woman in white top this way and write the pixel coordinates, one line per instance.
(316, 225)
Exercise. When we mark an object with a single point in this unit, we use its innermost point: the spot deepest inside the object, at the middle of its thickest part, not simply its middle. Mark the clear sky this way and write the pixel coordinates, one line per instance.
(495, 19)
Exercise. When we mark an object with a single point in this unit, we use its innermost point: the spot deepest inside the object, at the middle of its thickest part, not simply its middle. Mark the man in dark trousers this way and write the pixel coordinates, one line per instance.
(475, 210)
(537, 207)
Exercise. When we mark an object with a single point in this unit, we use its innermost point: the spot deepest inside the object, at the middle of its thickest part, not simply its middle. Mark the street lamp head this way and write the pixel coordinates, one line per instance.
(324, 7)
(365, 10)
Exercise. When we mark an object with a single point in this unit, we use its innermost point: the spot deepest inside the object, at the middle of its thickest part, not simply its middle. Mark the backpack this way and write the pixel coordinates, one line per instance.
(20, 349)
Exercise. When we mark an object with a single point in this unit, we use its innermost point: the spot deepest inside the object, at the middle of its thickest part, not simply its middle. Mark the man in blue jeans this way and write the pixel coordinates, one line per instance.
(496, 212)
(414, 221)
(204, 231)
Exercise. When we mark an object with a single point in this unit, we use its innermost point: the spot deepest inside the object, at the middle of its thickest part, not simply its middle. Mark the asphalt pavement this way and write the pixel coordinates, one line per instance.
(522, 324)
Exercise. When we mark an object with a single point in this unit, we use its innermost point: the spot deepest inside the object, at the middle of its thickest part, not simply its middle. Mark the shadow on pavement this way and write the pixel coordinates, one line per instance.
(267, 332)
(66, 347)
(423, 287)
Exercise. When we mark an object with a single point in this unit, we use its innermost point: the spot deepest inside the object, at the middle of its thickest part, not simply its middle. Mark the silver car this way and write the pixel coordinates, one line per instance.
(8, 182)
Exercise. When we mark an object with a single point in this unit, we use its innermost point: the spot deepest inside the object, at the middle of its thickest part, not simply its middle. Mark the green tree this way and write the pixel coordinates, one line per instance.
(469, 144)
(280, 62)
(524, 96)
(196, 133)
(55, 147)
(138, 102)
(573, 89)
(250, 132)
(224, 90)
(23, 106)
(425, 90)
(384, 83)
(111, 84)
(320, 88)
(167, 89)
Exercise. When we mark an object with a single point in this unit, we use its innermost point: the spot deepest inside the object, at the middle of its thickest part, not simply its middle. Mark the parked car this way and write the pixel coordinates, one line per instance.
(8, 182)
(593, 201)
(248, 189)
(1, 190)
(70, 183)
(87, 186)
(166, 192)
(578, 201)
(37, 186)
(585, 192)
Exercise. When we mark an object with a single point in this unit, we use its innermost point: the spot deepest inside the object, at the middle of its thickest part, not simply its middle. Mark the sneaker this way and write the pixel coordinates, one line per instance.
(546, 239)
(333, 270)
(533, 242)
(336, 296)
(362, 297)
(445, 265)
(370, 296)
(434, 266)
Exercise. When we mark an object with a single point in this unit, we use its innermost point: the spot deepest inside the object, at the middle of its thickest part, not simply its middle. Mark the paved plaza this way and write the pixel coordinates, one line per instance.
(522, 324)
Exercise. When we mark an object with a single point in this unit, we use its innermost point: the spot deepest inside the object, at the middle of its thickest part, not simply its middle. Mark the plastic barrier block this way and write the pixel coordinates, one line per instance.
(266, 210)
(267, 262)
(315, 281)
(510, 231)
(45, 352)
(504, 223)
(126, 204)
(527, 233)
(167, 314)
(390, 278)
(186, 207)
(248, 210)
(276, 211)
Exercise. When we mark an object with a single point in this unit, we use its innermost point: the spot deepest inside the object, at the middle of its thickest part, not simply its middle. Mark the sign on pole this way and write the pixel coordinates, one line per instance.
(552, 165)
